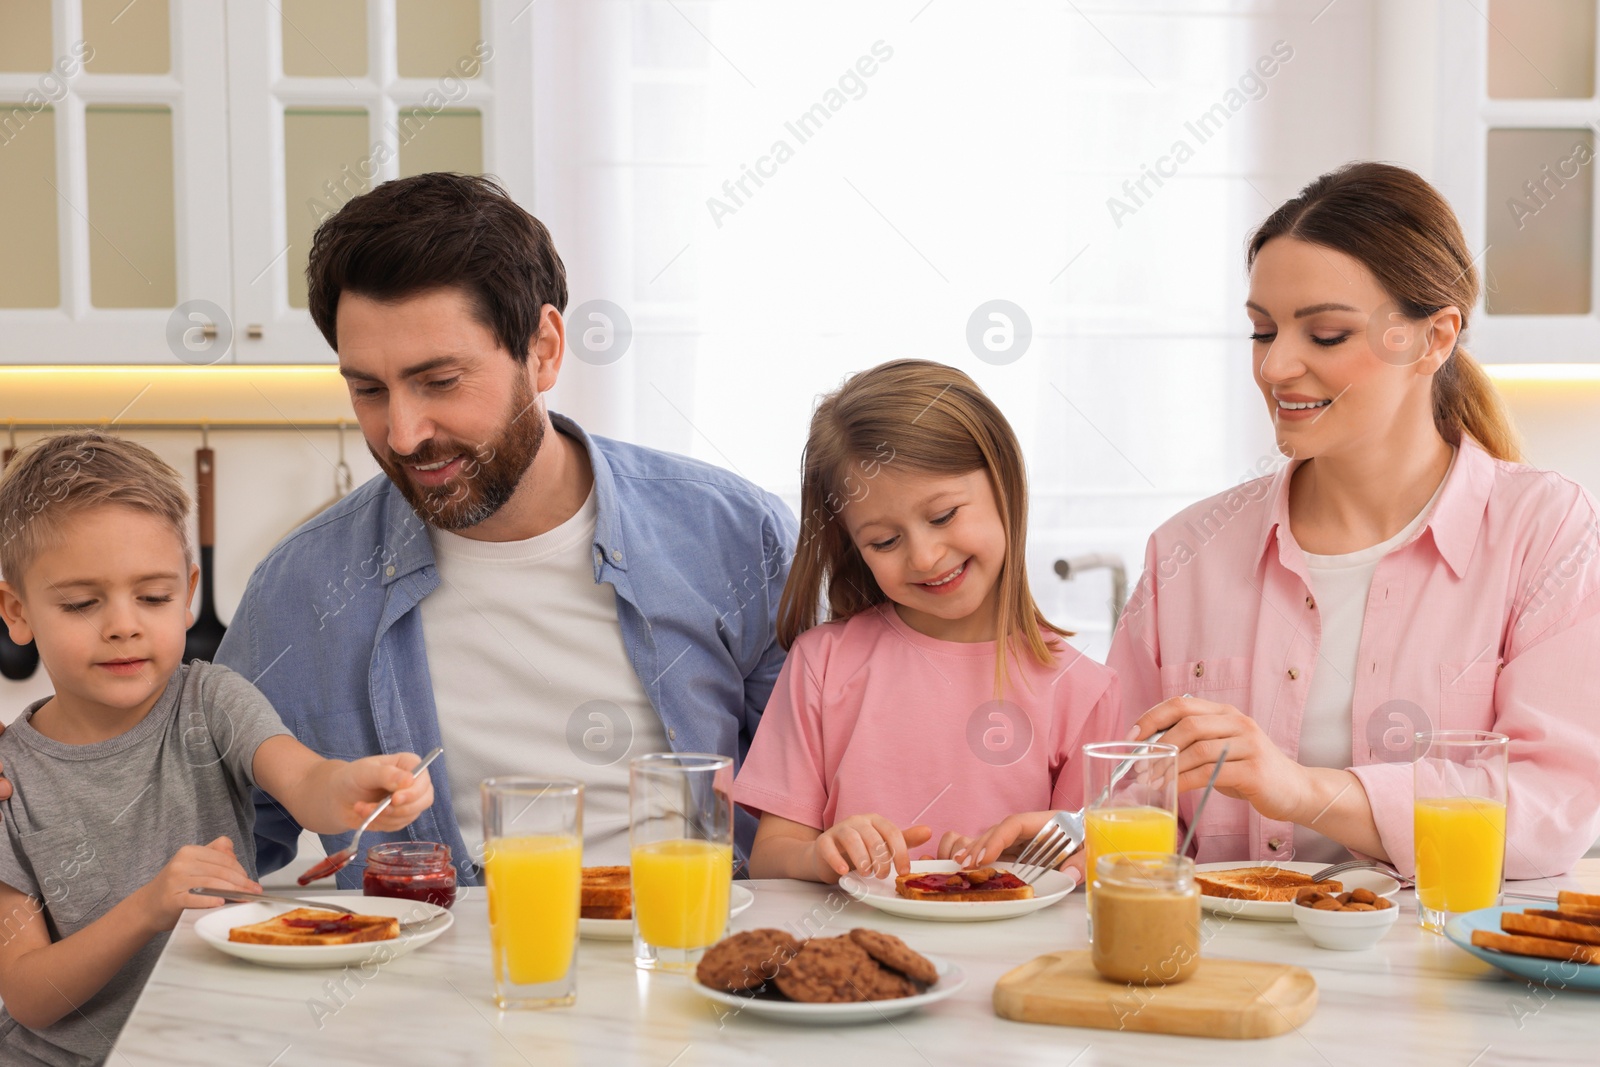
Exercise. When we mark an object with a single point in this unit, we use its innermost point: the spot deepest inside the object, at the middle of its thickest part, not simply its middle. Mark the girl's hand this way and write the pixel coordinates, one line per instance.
(165, 896)
(870, 844)
(1256, 770)
(362, 784)
(1005, 839)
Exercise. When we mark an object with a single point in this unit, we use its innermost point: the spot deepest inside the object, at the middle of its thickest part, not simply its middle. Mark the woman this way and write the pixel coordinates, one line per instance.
(1404, 572)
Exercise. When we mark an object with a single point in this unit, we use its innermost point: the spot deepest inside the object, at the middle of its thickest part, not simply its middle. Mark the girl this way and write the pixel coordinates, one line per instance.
(1405, 572)
(936, 699)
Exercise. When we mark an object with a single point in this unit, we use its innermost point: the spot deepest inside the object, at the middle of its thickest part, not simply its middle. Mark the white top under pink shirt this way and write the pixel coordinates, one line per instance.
(1486, 618)
(872, 717)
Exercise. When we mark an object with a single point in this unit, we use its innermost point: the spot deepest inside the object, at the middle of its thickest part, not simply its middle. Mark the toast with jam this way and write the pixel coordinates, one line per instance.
(317, 926)
(977, 884)
(607, 893)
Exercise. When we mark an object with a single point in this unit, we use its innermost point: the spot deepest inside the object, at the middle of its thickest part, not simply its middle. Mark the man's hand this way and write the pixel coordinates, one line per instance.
(361, 785)
(1256, 770)
(163, 898)
(870, 844)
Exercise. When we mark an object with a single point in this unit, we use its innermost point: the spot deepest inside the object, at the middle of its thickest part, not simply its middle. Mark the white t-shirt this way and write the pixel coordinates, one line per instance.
(1341, 585)
(531, 676)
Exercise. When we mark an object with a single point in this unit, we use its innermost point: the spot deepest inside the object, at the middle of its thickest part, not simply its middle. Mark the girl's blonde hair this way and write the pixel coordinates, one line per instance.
(923, 417)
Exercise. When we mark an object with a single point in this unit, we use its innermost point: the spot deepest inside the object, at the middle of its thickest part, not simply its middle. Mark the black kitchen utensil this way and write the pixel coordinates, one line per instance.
(17, 662)
(206, 633)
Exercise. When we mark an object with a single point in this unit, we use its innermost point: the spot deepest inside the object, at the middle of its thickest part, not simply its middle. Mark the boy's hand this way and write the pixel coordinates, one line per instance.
(870, 844)
(362, 784)
(166, 895)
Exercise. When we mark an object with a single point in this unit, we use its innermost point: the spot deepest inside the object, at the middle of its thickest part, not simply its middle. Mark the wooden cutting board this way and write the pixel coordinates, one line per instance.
(1223, 998)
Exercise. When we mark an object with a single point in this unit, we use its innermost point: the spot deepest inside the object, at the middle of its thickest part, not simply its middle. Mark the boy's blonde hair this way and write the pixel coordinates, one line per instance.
(64, 474)
(923, 417)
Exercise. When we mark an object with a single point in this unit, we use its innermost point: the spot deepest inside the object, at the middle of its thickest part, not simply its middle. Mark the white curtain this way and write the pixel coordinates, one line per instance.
(778, 193)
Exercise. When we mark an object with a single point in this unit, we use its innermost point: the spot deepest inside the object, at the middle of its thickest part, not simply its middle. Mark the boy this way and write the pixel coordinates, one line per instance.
(133, 782)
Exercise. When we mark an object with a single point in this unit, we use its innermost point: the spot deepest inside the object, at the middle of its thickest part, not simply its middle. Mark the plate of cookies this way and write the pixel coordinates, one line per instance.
(863, 976)
(607, 903)
(943, 891)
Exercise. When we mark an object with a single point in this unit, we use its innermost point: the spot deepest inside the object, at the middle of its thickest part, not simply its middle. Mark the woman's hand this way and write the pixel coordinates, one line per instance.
(1256, 770)
(870, 844)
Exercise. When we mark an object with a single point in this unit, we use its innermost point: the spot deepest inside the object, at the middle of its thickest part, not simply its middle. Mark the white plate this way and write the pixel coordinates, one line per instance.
(739, 898)
(879, 893)
(1282, 911)
(213, 929)
(951, 979)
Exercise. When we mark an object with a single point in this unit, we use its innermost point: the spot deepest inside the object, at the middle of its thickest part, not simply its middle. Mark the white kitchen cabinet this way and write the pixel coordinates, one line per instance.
(164, 165)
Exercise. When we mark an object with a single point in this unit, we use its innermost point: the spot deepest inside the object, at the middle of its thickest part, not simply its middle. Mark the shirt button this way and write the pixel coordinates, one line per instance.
(672, 735)
(388, 572)
(1275, 844)
(1294, 672)
(1200, 669)
(599, 557)
(616, 555)
(1312, 604)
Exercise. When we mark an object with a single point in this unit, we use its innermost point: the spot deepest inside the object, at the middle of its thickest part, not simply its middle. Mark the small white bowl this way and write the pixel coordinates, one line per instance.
(1345, 930)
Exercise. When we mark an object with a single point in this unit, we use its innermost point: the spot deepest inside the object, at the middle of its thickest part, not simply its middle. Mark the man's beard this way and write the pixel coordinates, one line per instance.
(489, 474)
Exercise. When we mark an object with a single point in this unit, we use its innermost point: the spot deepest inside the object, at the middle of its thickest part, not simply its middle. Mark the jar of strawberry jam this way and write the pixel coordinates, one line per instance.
(411, 870)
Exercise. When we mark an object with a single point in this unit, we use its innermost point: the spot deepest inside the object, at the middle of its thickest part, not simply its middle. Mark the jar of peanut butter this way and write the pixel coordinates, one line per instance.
(1146, 918)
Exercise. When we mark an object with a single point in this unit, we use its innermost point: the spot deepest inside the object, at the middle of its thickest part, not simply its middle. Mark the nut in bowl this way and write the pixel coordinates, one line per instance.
(1347, 922)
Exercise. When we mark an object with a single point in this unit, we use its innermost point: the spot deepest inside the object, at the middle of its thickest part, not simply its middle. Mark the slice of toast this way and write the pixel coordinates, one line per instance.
(1567, 898)
(1261, 883)
(1586, 917)
(607, 893)
(317, 926)
(977, 884)
(1544, 947)
(1555, 929)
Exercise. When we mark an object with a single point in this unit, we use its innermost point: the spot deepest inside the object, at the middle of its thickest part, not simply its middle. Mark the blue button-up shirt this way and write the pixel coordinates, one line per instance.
(329, 627)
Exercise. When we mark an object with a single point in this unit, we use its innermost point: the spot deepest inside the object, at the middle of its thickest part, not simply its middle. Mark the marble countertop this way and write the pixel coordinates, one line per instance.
(1415, 998)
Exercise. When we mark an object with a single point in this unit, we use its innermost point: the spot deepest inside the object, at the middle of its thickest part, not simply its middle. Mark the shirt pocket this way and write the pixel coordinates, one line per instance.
(1209, 679)
(72, 878)
(1466, 695)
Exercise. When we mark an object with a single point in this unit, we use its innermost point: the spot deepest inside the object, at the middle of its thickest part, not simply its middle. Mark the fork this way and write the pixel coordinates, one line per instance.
(1361, 865)
(1063, 834)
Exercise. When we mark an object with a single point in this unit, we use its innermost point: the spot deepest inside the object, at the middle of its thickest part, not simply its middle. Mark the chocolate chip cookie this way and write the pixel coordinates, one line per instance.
(836, 970)
(746, 961)
(895, 954)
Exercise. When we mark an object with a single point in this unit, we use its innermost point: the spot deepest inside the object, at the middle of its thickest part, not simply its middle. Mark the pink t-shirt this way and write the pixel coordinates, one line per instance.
(1488, 618)
(869, 716)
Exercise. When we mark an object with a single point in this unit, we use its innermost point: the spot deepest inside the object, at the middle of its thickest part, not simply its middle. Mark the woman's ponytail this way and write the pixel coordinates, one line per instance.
(1466, 401)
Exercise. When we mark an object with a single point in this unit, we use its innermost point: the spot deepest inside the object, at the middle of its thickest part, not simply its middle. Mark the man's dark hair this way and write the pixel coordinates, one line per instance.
(433, 231)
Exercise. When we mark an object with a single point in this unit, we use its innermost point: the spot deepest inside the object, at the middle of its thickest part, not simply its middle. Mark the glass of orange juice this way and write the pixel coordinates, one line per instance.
(680, 814)
(1130, 802)
(533, 868)
(1460, 822)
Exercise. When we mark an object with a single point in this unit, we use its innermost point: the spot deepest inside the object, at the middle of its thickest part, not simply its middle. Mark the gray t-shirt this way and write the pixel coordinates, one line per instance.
(89, 824)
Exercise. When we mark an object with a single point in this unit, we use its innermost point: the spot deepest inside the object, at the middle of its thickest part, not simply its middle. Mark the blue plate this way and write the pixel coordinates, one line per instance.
(1554, 974)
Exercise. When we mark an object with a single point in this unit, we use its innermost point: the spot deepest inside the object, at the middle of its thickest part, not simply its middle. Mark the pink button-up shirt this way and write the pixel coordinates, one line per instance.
(1487, 619)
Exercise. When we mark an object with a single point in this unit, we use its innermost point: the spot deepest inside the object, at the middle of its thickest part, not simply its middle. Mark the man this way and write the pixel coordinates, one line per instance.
(536, 600)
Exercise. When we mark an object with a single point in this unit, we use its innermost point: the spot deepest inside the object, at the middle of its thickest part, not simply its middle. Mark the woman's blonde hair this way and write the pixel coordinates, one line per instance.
(1402, 230)
(923, 417)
